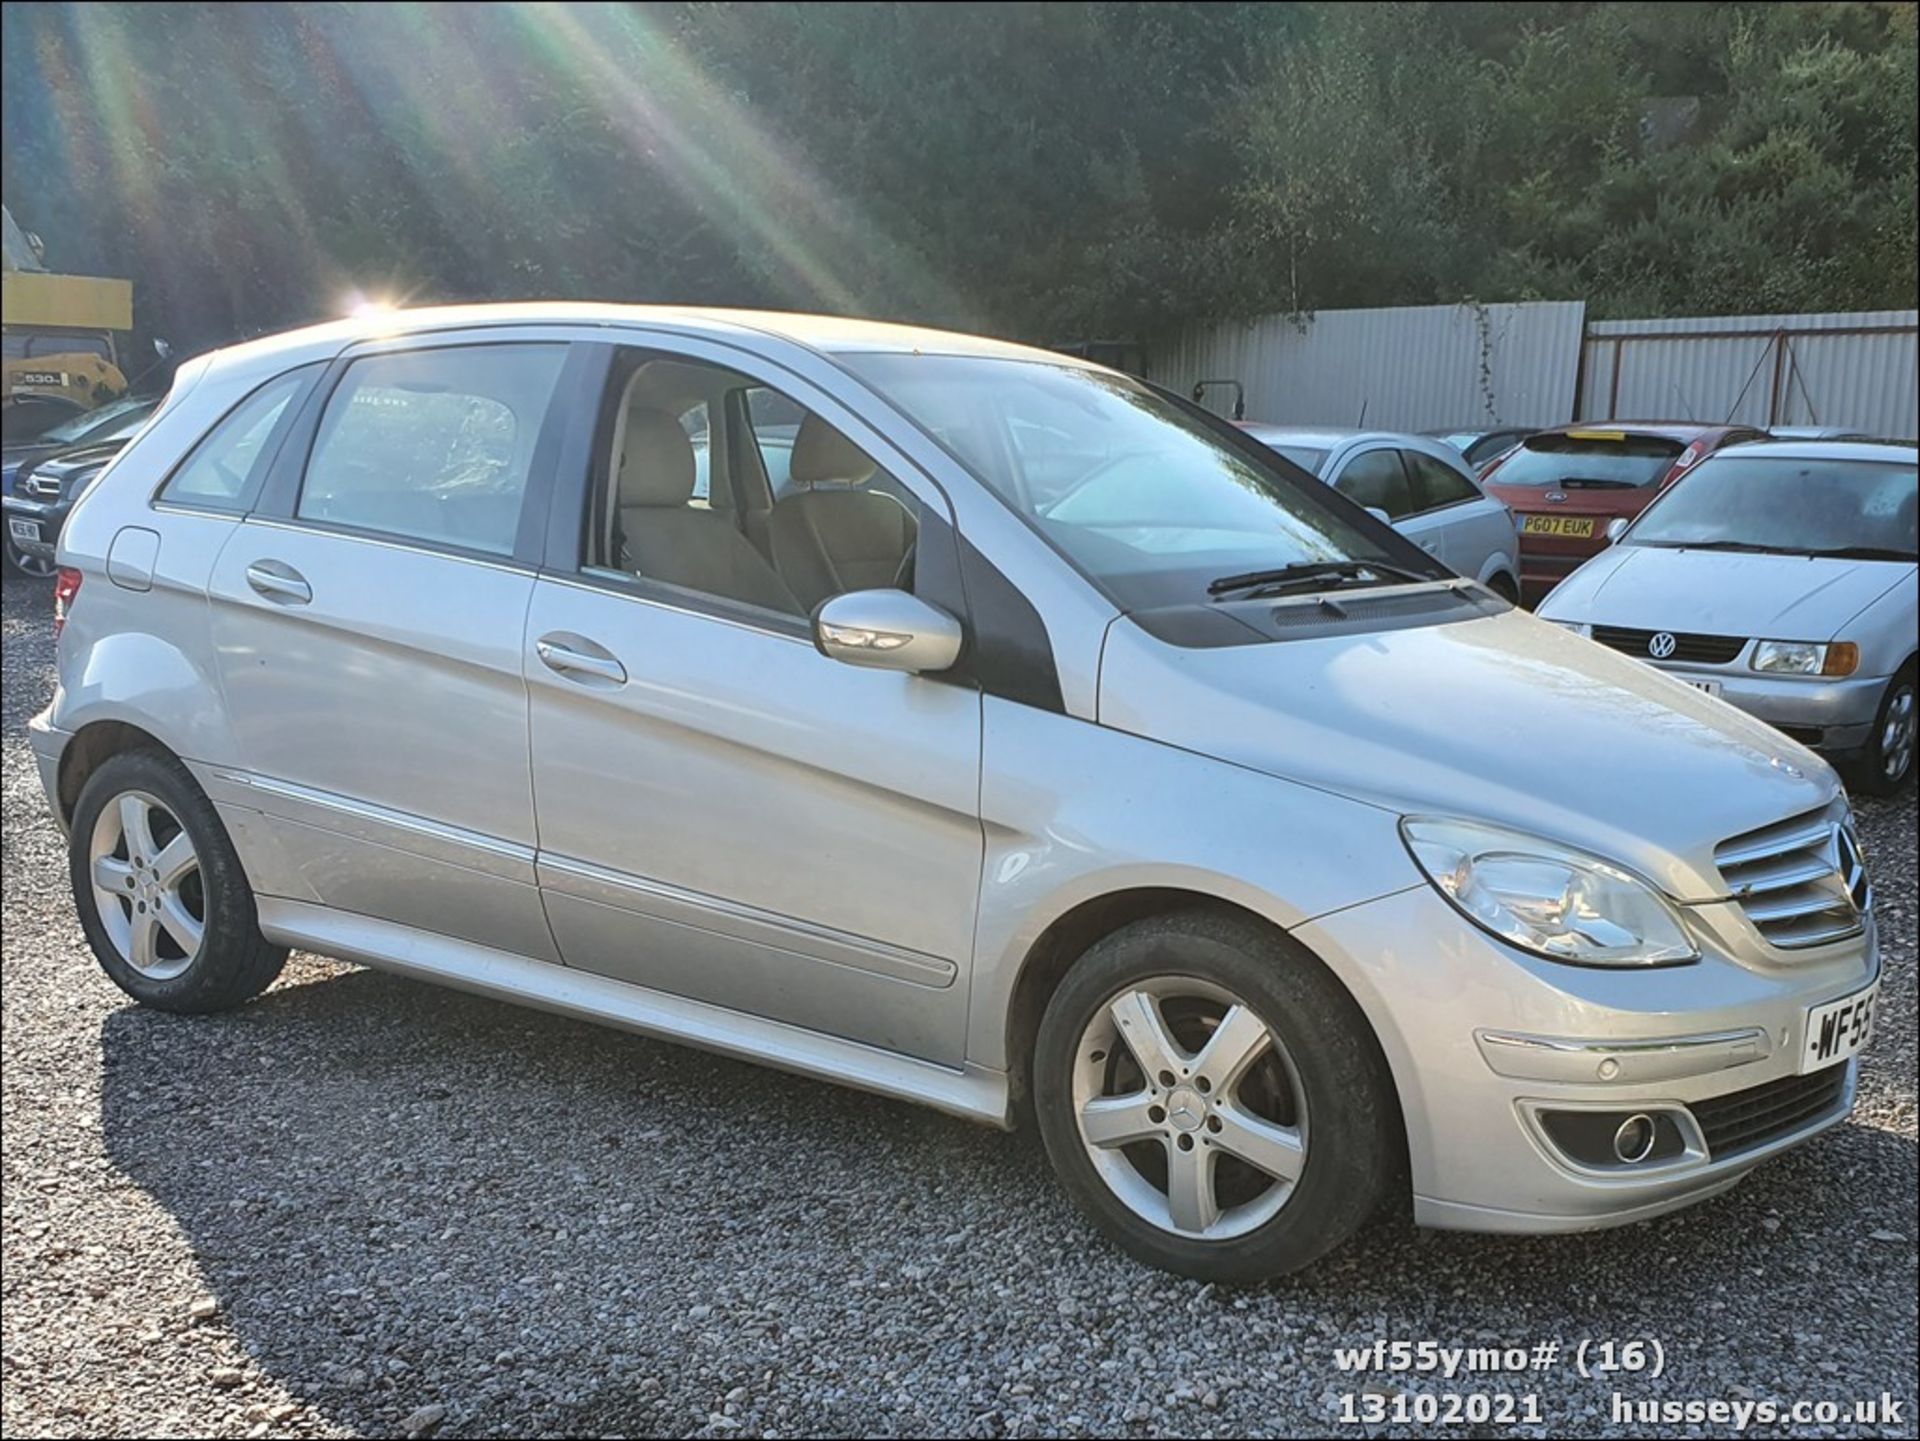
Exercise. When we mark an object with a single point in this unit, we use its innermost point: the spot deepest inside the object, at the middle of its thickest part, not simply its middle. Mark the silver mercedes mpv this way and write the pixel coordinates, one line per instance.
(955, 720)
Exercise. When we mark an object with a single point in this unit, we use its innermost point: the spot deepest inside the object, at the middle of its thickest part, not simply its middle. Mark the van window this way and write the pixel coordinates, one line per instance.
(433, 445)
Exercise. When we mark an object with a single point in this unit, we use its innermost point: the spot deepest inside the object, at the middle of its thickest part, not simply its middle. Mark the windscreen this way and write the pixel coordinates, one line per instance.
(1144, 497)
(1799, 507)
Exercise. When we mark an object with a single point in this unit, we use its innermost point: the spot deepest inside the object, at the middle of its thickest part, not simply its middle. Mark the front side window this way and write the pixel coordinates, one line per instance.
(1155, 505)
(1378, 481)
(433, 445)
(1860, 508)
(836, 520)
(217, 470)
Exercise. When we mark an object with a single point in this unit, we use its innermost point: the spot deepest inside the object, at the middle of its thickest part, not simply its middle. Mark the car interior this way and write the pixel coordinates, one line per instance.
(693, 460)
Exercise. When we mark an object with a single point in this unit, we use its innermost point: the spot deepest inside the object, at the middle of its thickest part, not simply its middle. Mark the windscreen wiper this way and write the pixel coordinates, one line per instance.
(1307, 573)
(1862, 552)
(1740, 545)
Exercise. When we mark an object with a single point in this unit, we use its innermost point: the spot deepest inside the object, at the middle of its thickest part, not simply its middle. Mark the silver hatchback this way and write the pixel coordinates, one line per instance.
(955, 720)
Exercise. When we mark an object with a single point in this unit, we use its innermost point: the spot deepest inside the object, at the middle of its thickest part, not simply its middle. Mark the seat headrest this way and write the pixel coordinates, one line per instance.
(656, 460)
(823, 456)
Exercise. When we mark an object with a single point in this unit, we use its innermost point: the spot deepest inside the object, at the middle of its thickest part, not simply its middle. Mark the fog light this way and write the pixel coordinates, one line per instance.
(1633, 1142)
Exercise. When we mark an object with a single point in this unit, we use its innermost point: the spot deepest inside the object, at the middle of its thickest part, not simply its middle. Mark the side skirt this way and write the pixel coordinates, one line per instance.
(973, 1093)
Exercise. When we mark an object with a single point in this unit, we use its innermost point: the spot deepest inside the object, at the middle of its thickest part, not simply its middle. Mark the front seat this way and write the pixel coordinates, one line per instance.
(664, 538)
(830, 535)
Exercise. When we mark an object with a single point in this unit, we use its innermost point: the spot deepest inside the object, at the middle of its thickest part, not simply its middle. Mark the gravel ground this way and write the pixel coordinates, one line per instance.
(362, 1206)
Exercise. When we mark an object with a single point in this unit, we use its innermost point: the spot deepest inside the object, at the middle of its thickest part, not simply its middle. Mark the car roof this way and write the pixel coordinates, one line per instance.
(1320, 437)
(1826, 450)
(829, 334)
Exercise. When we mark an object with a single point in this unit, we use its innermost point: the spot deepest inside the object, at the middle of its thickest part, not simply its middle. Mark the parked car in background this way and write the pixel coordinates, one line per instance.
(1482, 447)
(1566, 483)
(1420, 485)
(1277, 869)
(76, 427)
(1816, 432)
(1781, 578)
(41, 483)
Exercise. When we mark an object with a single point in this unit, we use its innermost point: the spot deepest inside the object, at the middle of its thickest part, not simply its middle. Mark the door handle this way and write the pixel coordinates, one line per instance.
(557, 656)
(277, 581)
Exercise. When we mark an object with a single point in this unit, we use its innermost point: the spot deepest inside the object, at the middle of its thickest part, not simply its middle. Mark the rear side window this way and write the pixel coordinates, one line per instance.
(1435, 483)
(1591, 460)
(1378, 481)
(218, 472)
(433, 445)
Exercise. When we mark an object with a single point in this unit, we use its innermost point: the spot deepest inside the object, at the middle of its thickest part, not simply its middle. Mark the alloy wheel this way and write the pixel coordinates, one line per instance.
(1896, 734)
(36, 566)
(1190, 1108)
(147, 885)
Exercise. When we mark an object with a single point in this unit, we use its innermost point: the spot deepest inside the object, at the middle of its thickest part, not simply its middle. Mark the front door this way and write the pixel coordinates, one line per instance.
(724, 813)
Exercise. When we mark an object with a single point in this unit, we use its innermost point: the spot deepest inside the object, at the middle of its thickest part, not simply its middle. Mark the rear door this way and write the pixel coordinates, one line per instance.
(367, 620)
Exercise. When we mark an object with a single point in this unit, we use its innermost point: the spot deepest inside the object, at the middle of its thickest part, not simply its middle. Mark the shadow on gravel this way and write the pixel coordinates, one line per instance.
(405, 1196)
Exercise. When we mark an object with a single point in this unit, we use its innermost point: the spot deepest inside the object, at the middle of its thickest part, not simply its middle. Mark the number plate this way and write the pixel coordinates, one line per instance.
(1838, 1030)
(1710, 687)
(24, 530)
(1574, 527)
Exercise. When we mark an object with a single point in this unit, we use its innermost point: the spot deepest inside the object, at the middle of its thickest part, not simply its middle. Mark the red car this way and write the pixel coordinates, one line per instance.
(1563, 485)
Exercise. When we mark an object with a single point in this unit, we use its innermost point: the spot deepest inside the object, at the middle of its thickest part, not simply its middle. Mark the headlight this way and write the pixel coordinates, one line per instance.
(1578, 627)
(1799, 657)
(1545, 898)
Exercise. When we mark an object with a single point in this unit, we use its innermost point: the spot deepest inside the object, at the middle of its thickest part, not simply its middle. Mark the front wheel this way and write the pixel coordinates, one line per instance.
(162, 897)
(1213, 1098)
(1887, 762)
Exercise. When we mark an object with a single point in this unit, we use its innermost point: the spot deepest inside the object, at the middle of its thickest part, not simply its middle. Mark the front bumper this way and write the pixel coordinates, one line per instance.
(1829, 715)
(1682, 1037)
(45, 517)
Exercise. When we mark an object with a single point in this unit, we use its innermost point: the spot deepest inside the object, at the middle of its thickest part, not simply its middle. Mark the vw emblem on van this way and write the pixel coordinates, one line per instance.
(1662, 645)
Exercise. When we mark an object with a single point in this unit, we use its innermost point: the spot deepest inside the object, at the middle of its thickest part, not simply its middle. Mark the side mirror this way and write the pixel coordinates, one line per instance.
(1379, 515)
(163, 349)
(886, 630)
(1616, 528)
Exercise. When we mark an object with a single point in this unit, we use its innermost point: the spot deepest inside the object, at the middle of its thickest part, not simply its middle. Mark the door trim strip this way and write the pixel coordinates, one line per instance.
(565, 876)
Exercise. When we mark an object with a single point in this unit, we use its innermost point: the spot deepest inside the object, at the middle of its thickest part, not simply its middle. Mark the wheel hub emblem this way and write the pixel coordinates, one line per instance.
(1662, 645)
(1185, 1110)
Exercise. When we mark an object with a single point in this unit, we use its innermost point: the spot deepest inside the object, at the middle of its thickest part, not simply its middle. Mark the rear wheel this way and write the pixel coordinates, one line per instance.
(1213, 1098)
(1887, 762)
(162, 897)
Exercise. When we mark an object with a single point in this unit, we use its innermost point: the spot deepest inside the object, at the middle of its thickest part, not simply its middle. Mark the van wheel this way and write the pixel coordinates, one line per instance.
(1213, 1098)
(162, 897)
(1887, 762)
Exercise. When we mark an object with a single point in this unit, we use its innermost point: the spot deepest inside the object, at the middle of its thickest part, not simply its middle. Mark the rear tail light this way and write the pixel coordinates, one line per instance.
(66, 585)
(1686, 459)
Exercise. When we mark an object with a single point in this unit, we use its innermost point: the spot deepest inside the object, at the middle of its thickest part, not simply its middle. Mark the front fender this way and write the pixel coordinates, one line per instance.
(1074, 811)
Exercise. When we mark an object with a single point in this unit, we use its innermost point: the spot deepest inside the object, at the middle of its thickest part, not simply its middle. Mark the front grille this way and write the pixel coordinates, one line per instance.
(1695, 649)
(1806, 735)
(44, 487)
(1751, 1118)
(1800, 881)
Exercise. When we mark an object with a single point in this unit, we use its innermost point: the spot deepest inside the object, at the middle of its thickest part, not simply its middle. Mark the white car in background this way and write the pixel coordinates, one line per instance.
(1778, 576)
(1421, 485)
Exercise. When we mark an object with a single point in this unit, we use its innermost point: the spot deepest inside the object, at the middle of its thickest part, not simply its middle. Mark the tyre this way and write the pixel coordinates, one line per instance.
(1214, 1099)
(1887, 762)
(162, 897)
(1504, 586)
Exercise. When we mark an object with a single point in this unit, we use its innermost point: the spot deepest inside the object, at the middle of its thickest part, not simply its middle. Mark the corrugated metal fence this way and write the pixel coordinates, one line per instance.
(1852, 370)
(1541, 363)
